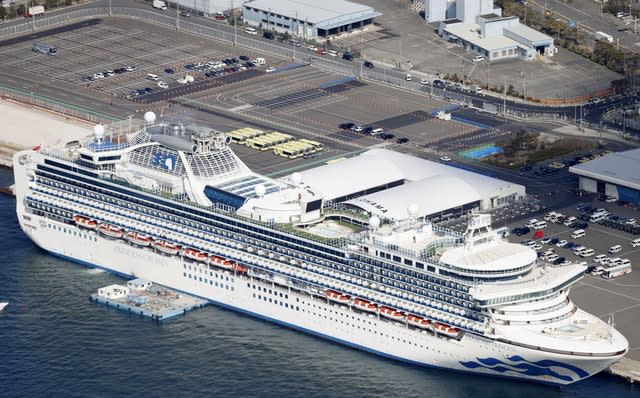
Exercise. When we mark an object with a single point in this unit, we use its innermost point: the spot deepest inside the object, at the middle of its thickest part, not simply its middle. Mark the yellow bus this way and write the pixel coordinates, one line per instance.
(317, 146)
(240, 136)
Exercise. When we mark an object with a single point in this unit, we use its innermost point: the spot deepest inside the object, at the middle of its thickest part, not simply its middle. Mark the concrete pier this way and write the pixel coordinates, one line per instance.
(626, 368)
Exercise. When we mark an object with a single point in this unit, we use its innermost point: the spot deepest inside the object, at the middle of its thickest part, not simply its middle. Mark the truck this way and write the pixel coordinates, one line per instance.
(603, 36)
(160, 4)
(35, 10)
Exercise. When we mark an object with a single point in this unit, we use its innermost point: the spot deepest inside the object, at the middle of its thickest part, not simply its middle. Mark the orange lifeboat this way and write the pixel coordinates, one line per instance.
(391, 313)
(194, 254)
(111, 231)
(138, 239)
(221, 262)
(418, 321)
(446, 330)
(337, 296)
(365, 305)
(85, 222)
(241, 269)
(166, 247)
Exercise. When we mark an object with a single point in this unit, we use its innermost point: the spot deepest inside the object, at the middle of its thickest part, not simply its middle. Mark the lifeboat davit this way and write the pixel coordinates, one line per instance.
(418, 321)
(111, 230)
(221, 262)
(391, 313)
(138, 239)
(337, 296)
(446, 330)
(166, 247)
(365, 305)
(85, 222)
(194, 254)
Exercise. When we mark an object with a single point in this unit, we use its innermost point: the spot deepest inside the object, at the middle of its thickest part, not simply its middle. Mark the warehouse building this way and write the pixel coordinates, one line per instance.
(481, 29)
(385, 183)
(308, 19)
(614, 175)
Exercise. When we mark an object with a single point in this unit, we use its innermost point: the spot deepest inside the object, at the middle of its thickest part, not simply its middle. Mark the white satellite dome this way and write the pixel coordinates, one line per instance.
(260, 190)
(98, 131)
(413, 209)
(296, 178)
(149, 117)
(374, 222)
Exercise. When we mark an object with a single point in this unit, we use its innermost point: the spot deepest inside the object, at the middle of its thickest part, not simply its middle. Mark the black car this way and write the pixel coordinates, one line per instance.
(402, 140)
(368, 64)
(185, 14)
(268, 35)
(367, 130)
(559, 260)
(189, 66)
(582, 225)
(347, 126)
(554, 241)
(437, 83)
(250, 64)
(148, 90)
(347, 56)
(244, 58)
(387, 136)
(169, 71)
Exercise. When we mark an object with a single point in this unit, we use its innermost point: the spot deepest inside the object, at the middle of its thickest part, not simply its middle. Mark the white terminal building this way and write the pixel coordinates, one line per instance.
(385, 183)
(308, 19)
(208, 7)
(614, 175)
(480, 28)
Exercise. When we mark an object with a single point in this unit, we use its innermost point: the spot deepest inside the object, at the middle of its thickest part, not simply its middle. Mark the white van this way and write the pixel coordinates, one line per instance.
(587, 253)
(153, 77)
(408, 77)
(531, 223)
(377, 131)
(615, 249)
(540, 225)
(478, 58)
(251, 30)
(599, 258)
(635, 242)
(578, 233)
(597, 217)
(259, 61)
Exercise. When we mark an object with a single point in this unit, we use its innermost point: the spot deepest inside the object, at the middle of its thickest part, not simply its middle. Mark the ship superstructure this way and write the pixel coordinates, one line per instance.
(173, 204)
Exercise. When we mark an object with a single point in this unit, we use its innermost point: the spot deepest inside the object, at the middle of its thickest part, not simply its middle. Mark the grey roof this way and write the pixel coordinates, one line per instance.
(530, 34)
(619, 168)
(318, 13)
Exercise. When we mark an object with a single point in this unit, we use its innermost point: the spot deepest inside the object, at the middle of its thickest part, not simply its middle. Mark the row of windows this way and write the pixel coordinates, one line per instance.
(73, 231)
(434, 295)
(326, 263)
(207, 281)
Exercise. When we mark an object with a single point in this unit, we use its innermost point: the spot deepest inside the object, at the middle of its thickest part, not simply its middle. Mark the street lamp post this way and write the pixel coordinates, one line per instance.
(525, 12)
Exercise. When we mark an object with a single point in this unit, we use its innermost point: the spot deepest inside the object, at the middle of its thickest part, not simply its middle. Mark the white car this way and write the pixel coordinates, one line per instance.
(537, 246)
(270, 69)
(545, 241)
(562, 243)
(312, 48)
(615, 249)
(445, 158)
(424, 81)
(599, 258)
(332, 53)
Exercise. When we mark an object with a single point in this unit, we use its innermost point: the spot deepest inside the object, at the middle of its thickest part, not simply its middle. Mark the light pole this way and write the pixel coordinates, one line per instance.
(504, 99)
(525, 12)
(177, 15)
(109, 7)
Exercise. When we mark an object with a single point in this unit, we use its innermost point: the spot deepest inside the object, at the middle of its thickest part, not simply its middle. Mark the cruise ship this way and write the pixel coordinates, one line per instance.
(173, 204)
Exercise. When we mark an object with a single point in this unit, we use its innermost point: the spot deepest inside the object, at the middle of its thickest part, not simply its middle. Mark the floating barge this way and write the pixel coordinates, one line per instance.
(144, 298)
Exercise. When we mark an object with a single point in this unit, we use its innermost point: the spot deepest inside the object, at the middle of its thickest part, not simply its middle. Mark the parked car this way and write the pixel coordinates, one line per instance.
(445, 158)
(268, 35)
(387, 136)
(347, 126)
(402, 140)
(347, 56)
(169, 71)
(368, 64)
(562, 243)
(270, 69)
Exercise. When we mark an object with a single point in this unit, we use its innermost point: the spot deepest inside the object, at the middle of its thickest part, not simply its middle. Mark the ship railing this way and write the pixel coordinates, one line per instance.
(429, 251)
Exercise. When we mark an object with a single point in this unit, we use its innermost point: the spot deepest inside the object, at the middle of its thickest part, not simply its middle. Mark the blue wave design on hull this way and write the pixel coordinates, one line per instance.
(522, 366)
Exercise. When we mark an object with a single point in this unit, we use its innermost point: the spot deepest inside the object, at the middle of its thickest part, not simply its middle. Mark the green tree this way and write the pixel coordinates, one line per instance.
(21, 9)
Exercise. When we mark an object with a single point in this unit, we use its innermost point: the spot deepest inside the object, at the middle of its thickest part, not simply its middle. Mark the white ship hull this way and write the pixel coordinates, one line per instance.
(315, 315)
